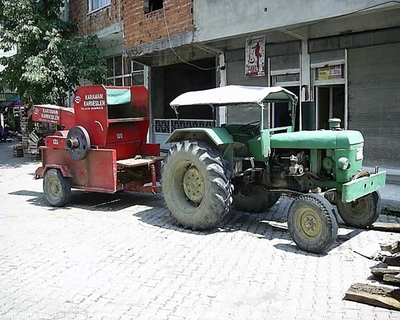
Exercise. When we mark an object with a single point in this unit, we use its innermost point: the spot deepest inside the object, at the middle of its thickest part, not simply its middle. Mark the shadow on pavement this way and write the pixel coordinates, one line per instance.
(234, 221)
(268, 225)
(96, 201)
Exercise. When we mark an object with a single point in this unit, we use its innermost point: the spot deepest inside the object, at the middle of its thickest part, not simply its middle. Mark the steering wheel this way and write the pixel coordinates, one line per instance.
(251, 128)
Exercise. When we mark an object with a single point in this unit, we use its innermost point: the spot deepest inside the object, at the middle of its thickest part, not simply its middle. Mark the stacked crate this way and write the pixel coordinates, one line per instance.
(26, 129)
(33, 146)
(18, 151)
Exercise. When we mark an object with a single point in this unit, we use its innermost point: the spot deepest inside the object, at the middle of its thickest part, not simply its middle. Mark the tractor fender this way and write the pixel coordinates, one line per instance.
(213, 136)
(39, 172)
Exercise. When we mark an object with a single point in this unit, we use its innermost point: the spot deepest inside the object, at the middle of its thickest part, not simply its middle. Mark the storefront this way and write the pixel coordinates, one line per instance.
(283, 68)
(328, 78)
(10, 109)
(357, 78)
(374, 101)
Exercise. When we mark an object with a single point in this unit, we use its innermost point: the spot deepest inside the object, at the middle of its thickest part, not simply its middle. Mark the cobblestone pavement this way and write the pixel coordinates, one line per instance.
(122, 257)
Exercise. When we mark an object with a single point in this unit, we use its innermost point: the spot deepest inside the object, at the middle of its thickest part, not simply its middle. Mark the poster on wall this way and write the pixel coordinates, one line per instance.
(330, 72)
(255, 57)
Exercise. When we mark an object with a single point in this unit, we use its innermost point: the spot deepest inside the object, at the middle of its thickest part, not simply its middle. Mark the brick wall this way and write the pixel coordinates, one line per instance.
(97, 20)
(139, 27)
(142, 28)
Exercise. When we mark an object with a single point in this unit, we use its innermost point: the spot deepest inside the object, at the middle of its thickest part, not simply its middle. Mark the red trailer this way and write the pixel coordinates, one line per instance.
(101, 146)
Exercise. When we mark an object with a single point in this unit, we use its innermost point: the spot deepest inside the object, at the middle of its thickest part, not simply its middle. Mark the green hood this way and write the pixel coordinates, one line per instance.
(322, 139)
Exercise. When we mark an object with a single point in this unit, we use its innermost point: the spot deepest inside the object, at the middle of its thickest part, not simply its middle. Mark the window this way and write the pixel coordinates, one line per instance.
(152, 5)
(330, 72)
(97, 4)
(122, 72)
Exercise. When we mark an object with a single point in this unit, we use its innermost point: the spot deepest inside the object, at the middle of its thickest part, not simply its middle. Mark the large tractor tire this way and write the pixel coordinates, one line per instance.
(255, 200)
(56, 188)
(312, 223)
(196, 185)
(361, 212)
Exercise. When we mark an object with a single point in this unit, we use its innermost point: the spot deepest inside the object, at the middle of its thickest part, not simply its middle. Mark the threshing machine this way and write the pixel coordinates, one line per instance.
(101, 145)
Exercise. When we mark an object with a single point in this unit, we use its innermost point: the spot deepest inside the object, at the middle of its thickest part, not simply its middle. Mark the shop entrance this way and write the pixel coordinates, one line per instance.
(281, 114)
(330, 104)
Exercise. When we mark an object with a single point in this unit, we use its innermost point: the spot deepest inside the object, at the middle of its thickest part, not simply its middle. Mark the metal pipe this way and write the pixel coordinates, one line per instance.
(153, 175)
(72, 143)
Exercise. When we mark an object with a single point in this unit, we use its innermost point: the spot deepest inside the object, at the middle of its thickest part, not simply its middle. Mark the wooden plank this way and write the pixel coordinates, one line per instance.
(383, 226)
(374, 295)
(380, 272)
(137, 162)
(393, 260)
(391, 278)
(392, 247)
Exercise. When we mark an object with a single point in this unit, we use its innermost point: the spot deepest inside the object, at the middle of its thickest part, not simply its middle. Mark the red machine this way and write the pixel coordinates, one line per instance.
(102, 145)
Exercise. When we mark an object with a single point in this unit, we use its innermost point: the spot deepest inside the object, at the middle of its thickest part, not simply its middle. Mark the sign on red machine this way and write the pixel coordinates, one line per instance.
(48, 113)
(102, 146)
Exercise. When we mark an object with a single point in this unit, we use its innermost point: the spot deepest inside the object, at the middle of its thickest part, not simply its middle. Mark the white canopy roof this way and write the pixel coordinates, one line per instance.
(232, 95)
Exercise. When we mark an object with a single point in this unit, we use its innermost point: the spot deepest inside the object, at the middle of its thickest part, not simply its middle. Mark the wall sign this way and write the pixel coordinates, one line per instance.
(9, 96)
(330, 72)
(255, 57)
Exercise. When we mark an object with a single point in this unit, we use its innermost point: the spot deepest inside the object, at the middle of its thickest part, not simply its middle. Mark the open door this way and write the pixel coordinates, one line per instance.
(282, 115)
(330, 104)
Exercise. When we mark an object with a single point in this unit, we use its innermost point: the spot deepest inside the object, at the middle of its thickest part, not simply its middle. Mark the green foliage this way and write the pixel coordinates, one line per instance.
(51, 59)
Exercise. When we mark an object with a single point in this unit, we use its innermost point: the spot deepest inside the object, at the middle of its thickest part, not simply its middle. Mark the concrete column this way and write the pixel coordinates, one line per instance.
(305, 71)
(305, 77)
(147, 84)
(222, 116)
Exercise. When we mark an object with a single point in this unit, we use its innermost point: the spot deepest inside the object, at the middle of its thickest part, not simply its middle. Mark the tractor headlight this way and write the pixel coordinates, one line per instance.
(343, 163)
(359, 155)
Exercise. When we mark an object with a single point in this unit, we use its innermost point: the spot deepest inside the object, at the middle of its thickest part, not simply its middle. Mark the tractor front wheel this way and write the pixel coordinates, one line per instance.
(56, 188)
(361, 212)
(312, 223)
(196, 185)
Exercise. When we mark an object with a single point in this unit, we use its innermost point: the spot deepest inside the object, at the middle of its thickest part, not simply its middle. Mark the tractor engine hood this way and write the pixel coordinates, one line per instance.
(322, 139)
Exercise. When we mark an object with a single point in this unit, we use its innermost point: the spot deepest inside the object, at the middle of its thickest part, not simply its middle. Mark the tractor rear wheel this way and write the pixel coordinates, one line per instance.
(56, 188)
(195, 184)
(361, 212)
(255, 200)
(312, 223)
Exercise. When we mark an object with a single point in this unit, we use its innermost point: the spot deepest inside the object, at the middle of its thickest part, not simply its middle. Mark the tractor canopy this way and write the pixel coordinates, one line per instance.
(233, 95)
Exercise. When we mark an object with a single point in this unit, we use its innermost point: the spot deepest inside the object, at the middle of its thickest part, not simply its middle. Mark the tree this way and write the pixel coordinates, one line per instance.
(51, 59)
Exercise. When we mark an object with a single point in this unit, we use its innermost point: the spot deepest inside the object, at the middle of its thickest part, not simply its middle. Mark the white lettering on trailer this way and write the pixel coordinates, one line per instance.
(51, 111)
(47, 116)
(95, 96)
(94, 103)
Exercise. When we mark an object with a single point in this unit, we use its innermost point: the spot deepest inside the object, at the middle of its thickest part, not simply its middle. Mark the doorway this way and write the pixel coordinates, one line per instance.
(330, 104)
(281, 114)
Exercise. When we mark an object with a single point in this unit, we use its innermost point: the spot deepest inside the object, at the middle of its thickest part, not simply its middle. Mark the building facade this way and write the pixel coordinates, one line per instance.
(341, 58)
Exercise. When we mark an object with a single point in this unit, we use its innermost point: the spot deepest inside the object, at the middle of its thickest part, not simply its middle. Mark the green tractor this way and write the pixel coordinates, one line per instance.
(249, 166)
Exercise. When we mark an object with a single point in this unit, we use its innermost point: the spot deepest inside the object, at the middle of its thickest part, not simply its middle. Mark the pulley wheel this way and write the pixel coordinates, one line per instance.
(78, 142)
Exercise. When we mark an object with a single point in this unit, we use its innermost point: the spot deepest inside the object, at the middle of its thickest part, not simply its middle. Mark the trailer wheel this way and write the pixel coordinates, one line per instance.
(255, 200)
(195, 185)
(312, 223)
(361, 212)
(57, 189)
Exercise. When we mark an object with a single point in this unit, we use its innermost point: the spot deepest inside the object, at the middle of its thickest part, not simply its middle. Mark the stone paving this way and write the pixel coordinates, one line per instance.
(123, 257)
